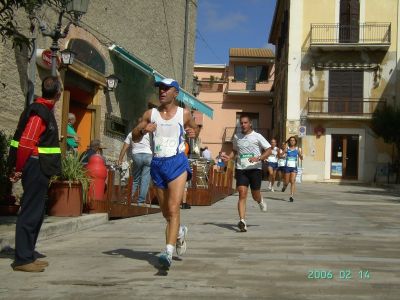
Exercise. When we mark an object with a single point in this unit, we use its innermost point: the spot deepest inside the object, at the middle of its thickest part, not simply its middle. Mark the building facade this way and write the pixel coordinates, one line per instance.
(244, 86)
(138, 41)
(336, 63)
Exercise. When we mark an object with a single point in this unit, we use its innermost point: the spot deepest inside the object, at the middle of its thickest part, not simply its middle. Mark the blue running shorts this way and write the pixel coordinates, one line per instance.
(273, 165)
(163, 170)
(291, 170)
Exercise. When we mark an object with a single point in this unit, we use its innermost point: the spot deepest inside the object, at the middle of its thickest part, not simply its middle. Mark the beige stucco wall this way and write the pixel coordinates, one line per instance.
(225, 109)
(314, 82)
(144, 28)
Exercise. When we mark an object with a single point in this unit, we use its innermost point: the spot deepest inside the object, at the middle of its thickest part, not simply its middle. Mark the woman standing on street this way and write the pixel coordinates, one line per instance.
(293, 153)
(272, 161)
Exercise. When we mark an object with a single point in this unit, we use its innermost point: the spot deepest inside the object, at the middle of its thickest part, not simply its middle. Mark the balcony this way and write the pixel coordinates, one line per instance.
(343, 109)
(229, 132)
(252, 88)
(211, 86)
(367, 36)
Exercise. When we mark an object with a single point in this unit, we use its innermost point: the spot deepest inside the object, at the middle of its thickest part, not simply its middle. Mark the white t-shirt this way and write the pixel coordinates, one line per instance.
(143, 146)
(207, 154)
(169, 136)
(273, 158)
(249, 145)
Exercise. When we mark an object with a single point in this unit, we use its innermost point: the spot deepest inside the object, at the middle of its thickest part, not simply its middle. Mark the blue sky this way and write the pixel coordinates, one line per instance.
(224, 24)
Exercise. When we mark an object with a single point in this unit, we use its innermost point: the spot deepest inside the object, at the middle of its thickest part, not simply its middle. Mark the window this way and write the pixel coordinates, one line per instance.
(87, 54)
(250, 73)
(240, 72)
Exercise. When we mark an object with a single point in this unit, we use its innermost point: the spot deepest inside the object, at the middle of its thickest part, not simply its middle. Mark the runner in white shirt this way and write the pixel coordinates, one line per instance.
(248, 146)
(169, 167)
(281, 164)
(272, 161)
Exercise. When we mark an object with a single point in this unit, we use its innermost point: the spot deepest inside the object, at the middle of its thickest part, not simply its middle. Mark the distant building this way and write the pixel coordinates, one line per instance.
(244, 86)
(335, 64)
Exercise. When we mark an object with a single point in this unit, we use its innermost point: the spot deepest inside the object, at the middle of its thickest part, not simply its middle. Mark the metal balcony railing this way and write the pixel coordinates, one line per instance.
(366, 33)
(344, 106)
(211, 86)
(229, 132)
(249, 86)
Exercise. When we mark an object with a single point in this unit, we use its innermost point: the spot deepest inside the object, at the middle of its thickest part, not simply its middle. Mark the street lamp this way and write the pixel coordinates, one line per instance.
(67, 57)
(112, 82)
(74, 7)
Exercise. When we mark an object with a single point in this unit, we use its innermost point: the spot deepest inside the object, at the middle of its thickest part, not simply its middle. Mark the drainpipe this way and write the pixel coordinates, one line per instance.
(185, 44)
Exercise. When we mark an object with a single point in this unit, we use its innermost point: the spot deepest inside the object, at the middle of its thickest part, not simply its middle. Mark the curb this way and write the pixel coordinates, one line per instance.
(57, 226)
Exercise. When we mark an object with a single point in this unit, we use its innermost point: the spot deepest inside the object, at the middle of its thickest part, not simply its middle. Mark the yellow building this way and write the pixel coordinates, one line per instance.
(336, 63)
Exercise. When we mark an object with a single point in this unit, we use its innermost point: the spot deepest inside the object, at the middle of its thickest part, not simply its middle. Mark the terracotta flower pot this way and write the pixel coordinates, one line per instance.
(65, 200)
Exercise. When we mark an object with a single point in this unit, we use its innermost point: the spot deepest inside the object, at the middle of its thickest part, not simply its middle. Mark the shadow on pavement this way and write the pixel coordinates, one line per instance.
(277, 199)
(375, 192)
(8, 253)
(150, 257)
(227, 226)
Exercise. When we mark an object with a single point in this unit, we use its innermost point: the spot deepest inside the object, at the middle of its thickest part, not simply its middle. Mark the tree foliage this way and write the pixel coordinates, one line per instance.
(386, 124)
(10, 29)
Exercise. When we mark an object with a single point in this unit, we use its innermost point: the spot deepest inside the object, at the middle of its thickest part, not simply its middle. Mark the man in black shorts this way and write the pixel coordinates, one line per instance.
(249, 149)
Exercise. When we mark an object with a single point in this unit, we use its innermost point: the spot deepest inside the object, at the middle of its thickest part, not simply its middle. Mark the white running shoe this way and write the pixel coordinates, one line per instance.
(242, 226)
(263, 205)
(181, 241)
(272, 190)
(269, 186)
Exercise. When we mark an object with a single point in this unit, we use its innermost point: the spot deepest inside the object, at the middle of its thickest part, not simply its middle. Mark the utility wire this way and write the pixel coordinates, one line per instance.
(208, 46)
(169, 39)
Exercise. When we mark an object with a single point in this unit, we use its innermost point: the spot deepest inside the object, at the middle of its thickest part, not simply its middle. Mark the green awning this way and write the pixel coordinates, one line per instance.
(183, 96)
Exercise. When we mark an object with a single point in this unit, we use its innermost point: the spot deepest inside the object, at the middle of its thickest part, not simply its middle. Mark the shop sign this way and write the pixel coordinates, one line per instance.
(43, 58)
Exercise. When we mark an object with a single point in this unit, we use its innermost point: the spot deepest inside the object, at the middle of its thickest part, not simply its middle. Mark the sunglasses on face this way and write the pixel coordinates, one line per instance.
(164, 87)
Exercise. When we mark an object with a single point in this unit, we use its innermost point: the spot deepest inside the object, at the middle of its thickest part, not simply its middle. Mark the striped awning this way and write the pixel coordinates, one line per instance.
(184, 96)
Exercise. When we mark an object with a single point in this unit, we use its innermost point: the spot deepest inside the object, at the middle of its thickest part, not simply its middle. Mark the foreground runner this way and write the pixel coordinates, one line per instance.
(170, 167)
(248, 145)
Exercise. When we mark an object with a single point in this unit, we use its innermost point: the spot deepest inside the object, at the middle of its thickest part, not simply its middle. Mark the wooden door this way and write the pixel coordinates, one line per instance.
(344, 159)
(346, 88)
(349, 21)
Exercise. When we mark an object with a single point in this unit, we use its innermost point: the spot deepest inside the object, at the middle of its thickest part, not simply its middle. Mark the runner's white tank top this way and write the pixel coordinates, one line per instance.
(169, 136)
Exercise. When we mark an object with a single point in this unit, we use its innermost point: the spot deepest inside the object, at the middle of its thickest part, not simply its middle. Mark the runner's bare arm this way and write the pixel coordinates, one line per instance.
(263, 156)
(191, 128)
(143, 127)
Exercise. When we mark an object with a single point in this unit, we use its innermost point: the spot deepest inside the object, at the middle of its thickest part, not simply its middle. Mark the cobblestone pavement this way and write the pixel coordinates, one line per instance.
(333, 242)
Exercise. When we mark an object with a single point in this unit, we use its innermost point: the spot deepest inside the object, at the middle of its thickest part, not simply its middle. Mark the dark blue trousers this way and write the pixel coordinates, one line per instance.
(30, 218)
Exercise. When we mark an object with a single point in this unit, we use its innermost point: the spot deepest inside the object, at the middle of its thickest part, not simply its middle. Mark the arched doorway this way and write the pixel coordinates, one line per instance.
(84, 82)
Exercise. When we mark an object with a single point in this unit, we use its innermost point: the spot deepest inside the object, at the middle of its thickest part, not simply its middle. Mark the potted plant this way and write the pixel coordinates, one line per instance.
(68, 192)
(8, 204)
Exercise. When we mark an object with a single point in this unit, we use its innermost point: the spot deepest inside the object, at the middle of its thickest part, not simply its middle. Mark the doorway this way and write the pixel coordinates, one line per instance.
(344, 160)
(80, 99)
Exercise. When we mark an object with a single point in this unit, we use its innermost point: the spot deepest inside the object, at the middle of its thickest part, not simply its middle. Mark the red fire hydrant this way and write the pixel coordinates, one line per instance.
(98, 173)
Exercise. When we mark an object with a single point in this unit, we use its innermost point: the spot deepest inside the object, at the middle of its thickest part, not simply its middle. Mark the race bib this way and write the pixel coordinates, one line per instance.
(291, 163)
(281, 162)
(244, 160)
(272, 159)
(165, 146)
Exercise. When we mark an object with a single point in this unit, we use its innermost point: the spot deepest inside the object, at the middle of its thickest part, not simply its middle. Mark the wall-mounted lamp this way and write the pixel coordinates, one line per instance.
(112, 82)
(319, 131)
(67, 57)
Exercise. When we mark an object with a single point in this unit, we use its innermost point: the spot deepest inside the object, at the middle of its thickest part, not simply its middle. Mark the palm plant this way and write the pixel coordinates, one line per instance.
(72, 171)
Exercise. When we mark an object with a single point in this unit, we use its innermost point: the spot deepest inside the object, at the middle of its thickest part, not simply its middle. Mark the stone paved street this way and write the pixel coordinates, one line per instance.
(348, 232)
